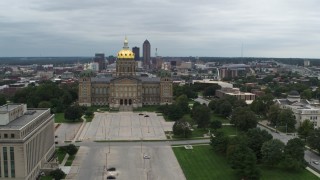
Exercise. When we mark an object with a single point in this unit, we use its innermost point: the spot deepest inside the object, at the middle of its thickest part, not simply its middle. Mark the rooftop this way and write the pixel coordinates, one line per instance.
(24, 120)
(8, 107)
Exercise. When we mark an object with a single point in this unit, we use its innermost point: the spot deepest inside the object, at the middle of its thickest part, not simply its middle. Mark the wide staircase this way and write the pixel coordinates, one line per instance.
(125, 108)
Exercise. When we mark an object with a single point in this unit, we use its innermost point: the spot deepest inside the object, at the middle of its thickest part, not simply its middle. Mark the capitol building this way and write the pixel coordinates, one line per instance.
(125, 89)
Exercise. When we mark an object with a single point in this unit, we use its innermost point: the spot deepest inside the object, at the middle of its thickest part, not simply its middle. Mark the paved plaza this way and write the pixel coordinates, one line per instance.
(125, 126)
(128, 160)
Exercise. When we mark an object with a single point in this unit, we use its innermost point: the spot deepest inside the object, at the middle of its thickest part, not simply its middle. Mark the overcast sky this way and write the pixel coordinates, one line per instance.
(264, 28)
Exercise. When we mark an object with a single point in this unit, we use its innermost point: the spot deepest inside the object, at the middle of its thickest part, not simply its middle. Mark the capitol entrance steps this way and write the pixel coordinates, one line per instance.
(125, 108)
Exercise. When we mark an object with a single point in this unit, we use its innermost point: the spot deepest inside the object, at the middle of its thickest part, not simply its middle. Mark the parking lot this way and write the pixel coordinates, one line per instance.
(126, 126)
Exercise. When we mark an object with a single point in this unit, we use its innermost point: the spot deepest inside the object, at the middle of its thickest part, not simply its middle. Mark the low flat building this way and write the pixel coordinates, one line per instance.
(247, 97)
(212, 81)
(26, 141)
(301, 108)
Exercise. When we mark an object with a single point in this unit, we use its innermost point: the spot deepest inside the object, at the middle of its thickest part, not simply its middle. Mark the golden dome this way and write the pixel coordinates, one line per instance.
(125, 53)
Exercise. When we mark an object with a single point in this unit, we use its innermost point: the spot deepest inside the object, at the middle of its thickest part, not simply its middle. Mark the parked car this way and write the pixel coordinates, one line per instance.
(111, 169)
(146, 116)
(111, 177)
(316, 162)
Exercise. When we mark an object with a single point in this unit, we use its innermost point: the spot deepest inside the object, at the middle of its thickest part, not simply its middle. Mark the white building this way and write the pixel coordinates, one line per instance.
(301, 108)
(26, 141)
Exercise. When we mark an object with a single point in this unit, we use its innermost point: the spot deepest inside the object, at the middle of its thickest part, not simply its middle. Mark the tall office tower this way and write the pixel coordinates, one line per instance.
(26, 142)
(146, 53)
(136, 52)
(100, 58)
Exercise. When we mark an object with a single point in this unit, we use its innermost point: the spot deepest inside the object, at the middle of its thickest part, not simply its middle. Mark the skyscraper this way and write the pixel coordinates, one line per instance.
(136, 52)
(146, 53)
(100, 58)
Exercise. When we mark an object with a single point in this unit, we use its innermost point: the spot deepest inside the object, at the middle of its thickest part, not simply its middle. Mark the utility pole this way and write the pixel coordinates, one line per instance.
(109, 144)
(141, 143)
(106, 161)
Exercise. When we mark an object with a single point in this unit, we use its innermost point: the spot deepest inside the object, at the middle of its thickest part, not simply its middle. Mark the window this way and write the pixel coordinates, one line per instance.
(5, 162)
(5, 135)
(13, 173)
(12, 135)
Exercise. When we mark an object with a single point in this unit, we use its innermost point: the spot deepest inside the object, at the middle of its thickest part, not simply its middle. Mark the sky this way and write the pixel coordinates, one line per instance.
(216, 28)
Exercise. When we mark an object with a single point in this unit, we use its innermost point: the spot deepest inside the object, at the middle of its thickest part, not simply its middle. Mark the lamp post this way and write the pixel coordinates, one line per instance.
(109, 144)
(141, 143)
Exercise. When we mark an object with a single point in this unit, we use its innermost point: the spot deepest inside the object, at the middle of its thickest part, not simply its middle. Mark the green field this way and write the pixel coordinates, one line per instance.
(203, 163)
(69, 160)
(219, 117)
(150, 108)
(60, 154)
(59, 118)
(229, 130)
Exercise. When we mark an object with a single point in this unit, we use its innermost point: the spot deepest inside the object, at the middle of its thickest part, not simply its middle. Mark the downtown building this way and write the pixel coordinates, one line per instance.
(146, 53)
(125, 90)
(26, 141)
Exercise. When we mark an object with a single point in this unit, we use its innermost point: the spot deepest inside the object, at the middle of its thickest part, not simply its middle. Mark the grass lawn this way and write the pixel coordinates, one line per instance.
(60, 154)
(88, 118)
(229, 130)
(70, 160)
(219, 117)
(150, 108)
(195, 134)
(203, 163)
(46, 178)
(59, 118)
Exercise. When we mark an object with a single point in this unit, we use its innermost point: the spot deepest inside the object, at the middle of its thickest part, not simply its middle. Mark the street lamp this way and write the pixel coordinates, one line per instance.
(109, 144)
(141, 143)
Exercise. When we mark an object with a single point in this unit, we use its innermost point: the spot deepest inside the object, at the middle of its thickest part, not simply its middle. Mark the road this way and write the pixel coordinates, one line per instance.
(309, 156)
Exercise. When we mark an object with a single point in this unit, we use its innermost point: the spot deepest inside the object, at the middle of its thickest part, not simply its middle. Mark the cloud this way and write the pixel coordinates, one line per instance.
(266, 28)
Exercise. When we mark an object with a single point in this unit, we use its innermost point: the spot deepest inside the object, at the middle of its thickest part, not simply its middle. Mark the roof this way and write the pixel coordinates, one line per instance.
(150, 79)
(23, 120)
(101, 79)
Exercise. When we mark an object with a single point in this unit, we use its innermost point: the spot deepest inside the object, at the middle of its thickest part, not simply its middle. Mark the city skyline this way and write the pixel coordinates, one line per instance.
(284, 29)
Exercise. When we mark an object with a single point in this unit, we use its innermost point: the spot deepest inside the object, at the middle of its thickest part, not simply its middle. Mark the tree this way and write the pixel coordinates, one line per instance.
(182, 128)
(183, 102)
(273, 114)
(225, 109)
(213, 104)
(211, 90)
(57, 174)
(201, 115)
(305, 129)
(314, 139)
(44, 104)
(73, 113)
(88, 113)
(272, 152)
(306, 94)
(3, 100)
(174, 112)
(216, 124)
(244, 161)
(287, 119)
(262, 104)
(243, 118)
(71, 149)
(219, 142)
(294, 155)
(256, 137)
